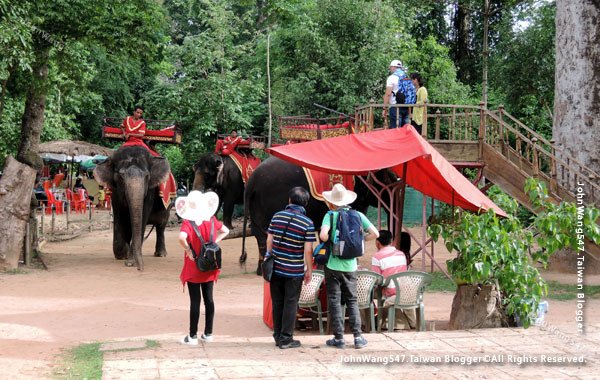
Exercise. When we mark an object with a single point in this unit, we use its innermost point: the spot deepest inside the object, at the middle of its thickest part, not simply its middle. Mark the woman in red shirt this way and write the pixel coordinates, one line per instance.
(199, 208)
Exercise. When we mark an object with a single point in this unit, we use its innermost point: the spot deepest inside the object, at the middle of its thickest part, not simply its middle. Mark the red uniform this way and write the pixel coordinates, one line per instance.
(135, 130)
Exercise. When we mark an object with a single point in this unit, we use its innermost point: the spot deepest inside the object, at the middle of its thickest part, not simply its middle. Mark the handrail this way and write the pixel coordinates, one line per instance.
(553, 160)
(476, 123)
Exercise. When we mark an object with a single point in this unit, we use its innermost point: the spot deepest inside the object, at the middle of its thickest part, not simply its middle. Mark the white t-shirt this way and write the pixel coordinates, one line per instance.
(393, 82)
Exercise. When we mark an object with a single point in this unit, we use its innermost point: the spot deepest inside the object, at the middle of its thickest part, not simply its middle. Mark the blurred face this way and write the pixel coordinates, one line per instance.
(392, 69)
(138, 113)
(233, 134)
(415, 82)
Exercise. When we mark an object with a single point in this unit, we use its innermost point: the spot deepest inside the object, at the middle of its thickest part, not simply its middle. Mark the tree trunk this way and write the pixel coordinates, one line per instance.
(576, 126)
(18, 180)
(461, 26)
(32, 122)
(475, 307)
(15, 197)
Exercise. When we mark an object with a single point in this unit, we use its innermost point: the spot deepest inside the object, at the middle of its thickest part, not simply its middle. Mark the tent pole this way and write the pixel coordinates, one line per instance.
(400, 208)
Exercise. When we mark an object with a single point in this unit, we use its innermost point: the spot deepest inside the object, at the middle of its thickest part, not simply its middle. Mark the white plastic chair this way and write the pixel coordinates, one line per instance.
(409, 295)
(309, 296)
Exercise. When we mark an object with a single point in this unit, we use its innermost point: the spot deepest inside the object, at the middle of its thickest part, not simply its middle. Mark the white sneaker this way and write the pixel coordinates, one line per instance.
(207, 338)
(189, 341)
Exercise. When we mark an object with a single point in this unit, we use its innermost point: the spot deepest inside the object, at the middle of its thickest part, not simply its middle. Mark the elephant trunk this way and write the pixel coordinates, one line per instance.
(198, 183)
(135, 190)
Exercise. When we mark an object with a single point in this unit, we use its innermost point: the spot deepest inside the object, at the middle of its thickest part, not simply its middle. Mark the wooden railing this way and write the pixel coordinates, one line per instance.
(531, 152)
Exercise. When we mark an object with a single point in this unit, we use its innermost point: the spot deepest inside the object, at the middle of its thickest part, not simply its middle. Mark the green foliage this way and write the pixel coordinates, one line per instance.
(179, 167)
(500, 251)
(523, 69)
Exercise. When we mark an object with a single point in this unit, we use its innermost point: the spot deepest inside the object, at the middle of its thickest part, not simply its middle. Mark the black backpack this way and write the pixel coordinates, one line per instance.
(210, 252)
(350, 235)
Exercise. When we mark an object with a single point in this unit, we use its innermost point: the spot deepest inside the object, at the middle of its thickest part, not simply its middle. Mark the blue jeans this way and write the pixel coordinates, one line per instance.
(398, 117)
(341, 289)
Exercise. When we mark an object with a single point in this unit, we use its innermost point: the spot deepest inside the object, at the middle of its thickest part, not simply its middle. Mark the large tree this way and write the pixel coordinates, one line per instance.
(56, 28)
(576, 126)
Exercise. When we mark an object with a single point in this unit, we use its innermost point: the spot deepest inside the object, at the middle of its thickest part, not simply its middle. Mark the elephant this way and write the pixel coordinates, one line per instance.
(221, 175)
(267, 193)
(133, 175)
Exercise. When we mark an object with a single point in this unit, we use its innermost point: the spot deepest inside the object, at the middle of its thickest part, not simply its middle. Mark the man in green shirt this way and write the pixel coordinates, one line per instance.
(340, 274)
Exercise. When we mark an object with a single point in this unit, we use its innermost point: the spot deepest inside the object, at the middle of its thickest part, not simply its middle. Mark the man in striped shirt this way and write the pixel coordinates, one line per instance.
(290, 239)
(388, 261)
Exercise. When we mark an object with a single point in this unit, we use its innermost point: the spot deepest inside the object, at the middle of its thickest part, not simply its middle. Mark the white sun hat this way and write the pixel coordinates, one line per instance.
(197, 206)
(339, 195)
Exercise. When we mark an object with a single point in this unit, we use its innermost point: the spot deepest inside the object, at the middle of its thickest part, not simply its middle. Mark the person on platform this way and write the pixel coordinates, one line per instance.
(418, 114)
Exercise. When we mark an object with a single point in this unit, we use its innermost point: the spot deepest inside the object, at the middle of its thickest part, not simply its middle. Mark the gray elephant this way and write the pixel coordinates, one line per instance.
(221, 175)
(267, 192)
(133, 175)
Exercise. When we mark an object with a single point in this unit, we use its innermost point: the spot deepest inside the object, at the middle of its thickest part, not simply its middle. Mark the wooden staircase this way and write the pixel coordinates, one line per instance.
(504, 151)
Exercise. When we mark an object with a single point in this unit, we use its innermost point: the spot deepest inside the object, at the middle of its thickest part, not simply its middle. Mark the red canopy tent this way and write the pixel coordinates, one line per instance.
(426, 169)
(403, 151)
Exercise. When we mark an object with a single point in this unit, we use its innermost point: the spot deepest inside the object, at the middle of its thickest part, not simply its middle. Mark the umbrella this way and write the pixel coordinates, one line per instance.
(55, 158)
(74, 148)
(90, 164)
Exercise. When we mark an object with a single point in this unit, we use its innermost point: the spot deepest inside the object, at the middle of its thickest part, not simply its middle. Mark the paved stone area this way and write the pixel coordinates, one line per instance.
(535, 353)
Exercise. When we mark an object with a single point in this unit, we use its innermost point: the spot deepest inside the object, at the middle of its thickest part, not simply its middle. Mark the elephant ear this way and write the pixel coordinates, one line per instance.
(103, 173)
(159, 171)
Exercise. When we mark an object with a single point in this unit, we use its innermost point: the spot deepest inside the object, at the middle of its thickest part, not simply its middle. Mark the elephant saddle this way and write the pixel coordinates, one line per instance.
(168, 190)
(246, 163)
(319, 182)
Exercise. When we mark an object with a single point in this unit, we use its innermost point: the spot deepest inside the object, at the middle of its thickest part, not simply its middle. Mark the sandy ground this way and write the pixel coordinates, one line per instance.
(86, 295)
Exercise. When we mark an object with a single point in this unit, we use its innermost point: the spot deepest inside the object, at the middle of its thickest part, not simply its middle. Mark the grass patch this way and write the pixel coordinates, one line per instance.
(441, 283)
(566, 292)
(151, 343)
(81, 362)
(85, 361)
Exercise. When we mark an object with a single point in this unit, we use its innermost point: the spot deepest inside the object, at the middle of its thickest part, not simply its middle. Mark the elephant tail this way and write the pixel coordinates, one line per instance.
(244, 254)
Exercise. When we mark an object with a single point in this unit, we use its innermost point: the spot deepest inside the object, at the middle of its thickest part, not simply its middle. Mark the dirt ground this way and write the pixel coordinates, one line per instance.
(86, 295)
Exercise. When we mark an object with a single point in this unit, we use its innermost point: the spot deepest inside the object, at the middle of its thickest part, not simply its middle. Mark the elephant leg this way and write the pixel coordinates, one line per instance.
(121, 238)
(228, 206)
(262, 249)
(160, 250)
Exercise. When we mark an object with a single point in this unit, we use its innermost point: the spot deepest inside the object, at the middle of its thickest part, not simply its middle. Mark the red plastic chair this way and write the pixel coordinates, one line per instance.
(107, 199)
(77, 203)
(58, 177)
(83, 196)
(53, 203)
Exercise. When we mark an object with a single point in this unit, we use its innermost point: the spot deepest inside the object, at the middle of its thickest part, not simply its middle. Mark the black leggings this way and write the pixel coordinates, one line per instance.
(209, 306)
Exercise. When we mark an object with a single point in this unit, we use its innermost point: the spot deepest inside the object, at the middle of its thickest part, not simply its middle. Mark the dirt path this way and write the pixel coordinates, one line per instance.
(86, 296)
